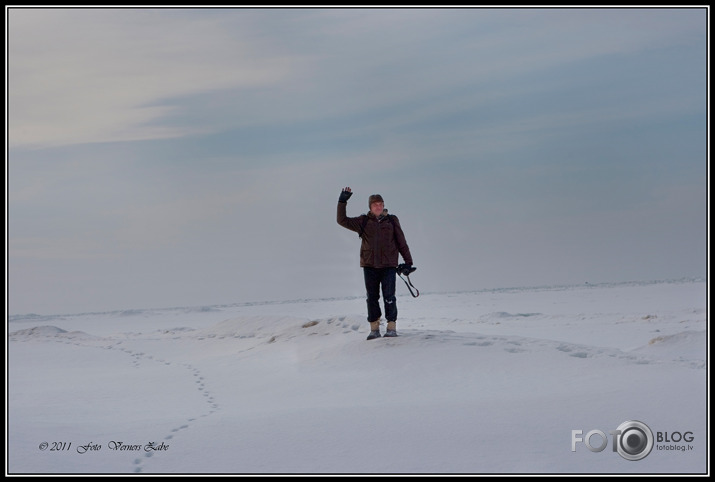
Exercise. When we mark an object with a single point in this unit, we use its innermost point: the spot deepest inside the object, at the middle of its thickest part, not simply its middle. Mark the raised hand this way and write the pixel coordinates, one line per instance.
(345, 195)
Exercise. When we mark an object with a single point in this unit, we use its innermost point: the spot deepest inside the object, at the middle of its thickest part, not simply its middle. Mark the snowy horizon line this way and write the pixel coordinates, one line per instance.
(217, 307)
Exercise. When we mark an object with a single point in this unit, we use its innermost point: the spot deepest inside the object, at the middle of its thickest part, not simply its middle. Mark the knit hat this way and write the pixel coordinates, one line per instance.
(375, 198)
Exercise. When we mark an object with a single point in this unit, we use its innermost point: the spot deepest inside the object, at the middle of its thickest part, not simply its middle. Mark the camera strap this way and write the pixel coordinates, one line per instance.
(408, 283)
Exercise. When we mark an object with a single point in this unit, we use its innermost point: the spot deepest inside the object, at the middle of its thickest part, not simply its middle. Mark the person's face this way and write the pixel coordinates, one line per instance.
(377, 208)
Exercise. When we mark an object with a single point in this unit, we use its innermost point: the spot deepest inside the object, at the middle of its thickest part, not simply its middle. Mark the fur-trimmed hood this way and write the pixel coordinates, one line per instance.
(380, 217)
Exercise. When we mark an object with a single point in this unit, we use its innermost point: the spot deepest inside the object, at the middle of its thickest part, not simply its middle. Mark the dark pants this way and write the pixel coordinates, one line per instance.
(374, 278)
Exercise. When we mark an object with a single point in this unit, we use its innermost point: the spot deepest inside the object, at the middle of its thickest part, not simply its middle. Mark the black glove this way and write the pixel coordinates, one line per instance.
(345, 195)
(405, 269)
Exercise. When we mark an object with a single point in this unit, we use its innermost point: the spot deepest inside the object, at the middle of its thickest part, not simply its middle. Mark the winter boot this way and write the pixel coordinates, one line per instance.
(374, 330)
(391, 329)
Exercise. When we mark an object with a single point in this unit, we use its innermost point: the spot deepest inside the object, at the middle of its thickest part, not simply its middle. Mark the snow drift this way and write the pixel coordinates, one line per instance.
(495, 381)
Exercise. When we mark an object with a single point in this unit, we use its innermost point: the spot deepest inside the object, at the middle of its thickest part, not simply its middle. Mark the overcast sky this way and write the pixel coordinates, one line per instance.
(190, 157)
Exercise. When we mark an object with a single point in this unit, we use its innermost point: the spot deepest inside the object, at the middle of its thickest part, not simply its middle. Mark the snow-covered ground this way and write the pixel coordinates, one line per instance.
(495, 381)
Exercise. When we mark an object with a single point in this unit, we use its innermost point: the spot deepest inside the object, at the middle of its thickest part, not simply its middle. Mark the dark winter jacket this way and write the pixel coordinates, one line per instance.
(382, 238)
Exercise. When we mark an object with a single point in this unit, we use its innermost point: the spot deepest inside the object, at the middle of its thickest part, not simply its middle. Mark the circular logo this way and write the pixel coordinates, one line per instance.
(635, 440)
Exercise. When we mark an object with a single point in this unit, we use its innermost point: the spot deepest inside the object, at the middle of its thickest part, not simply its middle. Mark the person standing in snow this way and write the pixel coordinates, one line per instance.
(382, 241)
